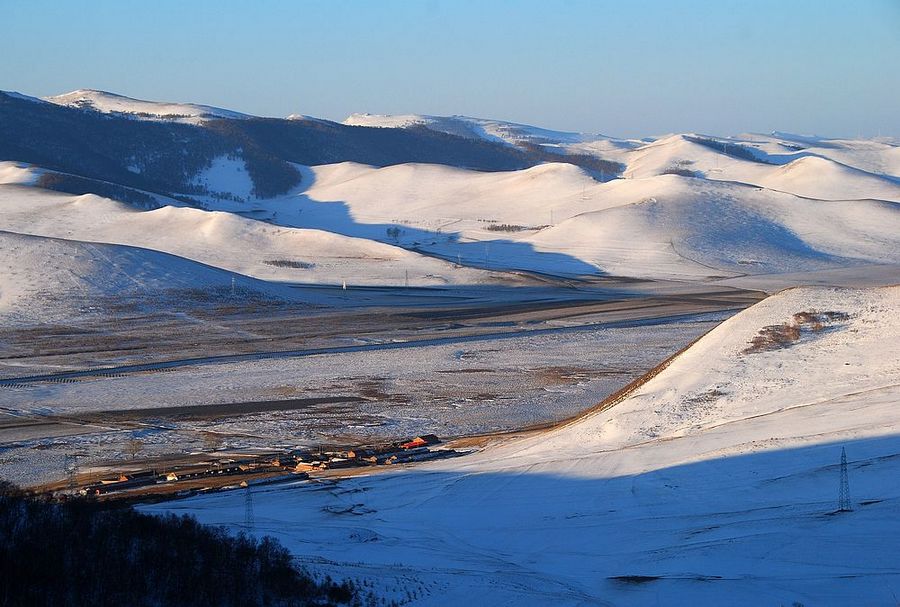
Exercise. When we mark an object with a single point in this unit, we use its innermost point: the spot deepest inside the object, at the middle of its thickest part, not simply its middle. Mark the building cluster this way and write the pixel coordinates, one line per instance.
(291, 464)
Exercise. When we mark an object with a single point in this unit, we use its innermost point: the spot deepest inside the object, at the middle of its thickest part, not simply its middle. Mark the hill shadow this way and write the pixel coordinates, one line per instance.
(752, 529)
(299, 210)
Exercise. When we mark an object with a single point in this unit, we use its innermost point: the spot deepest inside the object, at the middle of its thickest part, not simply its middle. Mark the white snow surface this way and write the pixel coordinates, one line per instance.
(371, 225)
(47, 279)
(17, 173)
(228, 175)
(822, 174)
(716, 482)
(501, 131)
(102, 101)
(562, 221)
(226, 240)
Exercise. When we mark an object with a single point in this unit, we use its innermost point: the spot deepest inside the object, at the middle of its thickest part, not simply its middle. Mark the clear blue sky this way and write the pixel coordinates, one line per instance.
(624, 67)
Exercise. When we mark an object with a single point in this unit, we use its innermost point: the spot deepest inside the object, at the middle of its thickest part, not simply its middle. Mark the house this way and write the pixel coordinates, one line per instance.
(421, 441)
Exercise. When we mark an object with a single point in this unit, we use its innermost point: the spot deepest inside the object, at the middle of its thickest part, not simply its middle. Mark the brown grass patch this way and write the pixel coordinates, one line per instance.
(774, 337)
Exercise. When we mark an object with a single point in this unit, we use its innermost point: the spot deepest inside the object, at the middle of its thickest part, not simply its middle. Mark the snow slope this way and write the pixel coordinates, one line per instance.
(17, 173)
(713, 483)
(800, 173)
(370, 226)
(106, 103)
(226, 240)
(560, 220)
(48, 280)
(879, 155)
(500, 131)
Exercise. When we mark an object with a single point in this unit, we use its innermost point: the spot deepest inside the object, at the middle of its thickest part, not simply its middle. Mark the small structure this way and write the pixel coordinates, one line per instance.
(844, 504)
(421, 441)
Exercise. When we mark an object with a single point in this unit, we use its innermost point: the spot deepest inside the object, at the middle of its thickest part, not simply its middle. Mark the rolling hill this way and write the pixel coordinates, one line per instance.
(412, 199)
(49, 280)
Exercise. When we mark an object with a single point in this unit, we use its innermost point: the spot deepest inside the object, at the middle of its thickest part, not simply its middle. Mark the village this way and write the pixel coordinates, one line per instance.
(153, 480)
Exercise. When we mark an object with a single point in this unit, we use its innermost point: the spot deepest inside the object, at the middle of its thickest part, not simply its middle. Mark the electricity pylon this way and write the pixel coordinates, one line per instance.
(844, 491)
(248, 507)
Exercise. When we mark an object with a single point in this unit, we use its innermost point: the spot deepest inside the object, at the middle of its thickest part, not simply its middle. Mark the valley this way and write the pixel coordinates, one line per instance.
(448, 356)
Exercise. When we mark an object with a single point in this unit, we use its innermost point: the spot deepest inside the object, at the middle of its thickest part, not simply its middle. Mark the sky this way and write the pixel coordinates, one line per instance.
(625, 68)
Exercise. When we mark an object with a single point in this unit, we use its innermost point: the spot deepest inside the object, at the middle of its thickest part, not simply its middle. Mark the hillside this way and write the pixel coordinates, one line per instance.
(747, 161)
(110, 103)
(229, 241)
(554, 218)
(410, 199)
(94, 138)
(45, 280)
(715, 482)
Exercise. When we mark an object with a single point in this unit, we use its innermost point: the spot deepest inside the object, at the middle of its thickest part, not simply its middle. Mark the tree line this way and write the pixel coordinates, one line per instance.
(81, 552)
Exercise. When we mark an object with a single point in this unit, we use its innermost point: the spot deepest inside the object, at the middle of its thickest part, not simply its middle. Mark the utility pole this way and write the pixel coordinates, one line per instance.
(844, 491)
(232, 286)
(406, 279)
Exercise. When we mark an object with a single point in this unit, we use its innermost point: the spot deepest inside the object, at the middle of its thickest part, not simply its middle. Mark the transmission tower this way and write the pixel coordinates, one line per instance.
(844, 492)
(248, 507)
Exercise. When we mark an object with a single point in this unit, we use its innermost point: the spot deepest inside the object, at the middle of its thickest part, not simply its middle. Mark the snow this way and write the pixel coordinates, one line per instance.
(564, 222)
(102, 101)
(802, 173)
(227, 240)
(18, 173)
(45, 280)
(460, 387)
(498, 131)
(372, 225)
(715, 482)
(226, 174)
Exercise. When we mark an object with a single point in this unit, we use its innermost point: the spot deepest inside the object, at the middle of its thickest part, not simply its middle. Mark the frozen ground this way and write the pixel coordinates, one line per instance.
(716, 482)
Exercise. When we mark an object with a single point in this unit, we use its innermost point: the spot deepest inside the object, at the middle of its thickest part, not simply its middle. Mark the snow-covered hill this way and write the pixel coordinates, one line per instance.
(228, 241)
(495, 130)
(427, 194)
(102, 101)
(45, 280)
(716, 482)
(555, 218)
(797, 172)
(371, 226)
(879, 157)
